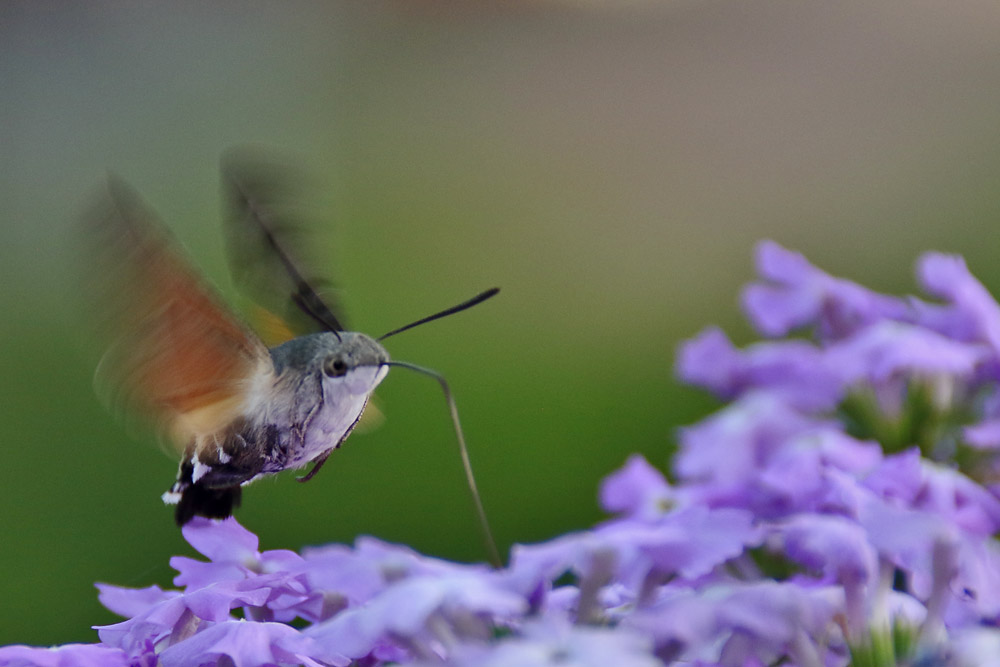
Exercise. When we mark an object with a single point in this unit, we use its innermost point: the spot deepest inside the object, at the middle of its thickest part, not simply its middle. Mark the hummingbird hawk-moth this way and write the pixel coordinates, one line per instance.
(232, 407)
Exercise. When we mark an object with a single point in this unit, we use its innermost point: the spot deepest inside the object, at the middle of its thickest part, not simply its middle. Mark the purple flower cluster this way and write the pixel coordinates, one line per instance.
(840, 509)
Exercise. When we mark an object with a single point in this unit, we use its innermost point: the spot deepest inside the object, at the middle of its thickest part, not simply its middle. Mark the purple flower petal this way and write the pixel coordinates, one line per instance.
(947, 277)
(221, 541)
(906, 538)
(70, 655)
(841, 451)
(711, 361)
(213, 603)
(194, 574)
(149, 627)
(247, 644)
(776, 616)
(130, 602)
(551, 644)
(395, 560)
(796, 294)
(802, 476)
(760, 454)
(405, 610)
(888, 349)
(984, 435)
(908, 479)
(795, 371)
(680, 623)
(728, 447)
(976, 645)
(776, 307)
(834, 545)
(689, 543)
(739, 624)
(637, 489)
(177, 617)
(976, 587)
(342, 571)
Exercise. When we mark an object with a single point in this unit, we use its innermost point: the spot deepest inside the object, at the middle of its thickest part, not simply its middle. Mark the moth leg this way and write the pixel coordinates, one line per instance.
(322, 459)
(315, 469)
(299, 431)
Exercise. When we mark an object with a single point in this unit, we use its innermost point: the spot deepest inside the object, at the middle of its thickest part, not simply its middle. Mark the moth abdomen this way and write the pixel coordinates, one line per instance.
(210, 502)
(214, 469)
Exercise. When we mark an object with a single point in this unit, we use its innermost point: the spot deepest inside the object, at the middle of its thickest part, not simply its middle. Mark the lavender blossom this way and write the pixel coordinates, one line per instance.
(840, 508)
(793, 294)
(70, 655)
(638, 490)
(796, 371)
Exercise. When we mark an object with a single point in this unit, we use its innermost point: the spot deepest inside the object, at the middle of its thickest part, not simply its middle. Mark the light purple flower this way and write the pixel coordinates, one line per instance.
(837, 549)
(637, 490)
(759, 453)
(70, 655)
(175, 617)
(984, 435)
(557, 644)
(974, 593)
(682, 622)
(130, 602)
(419, 614)
(787, 538)
(687, 543)
(801, 477)
(395, 560)
(974, 313)
(740, 624)
(248, 644)
(906, 538)
(835, 546)
(143, 632)
(794, 294)
(778, 619)
(795, 371)
(726, 449)
(976, 646)
(911, 481)
(333, 578)
(232, 553)
(884, 350)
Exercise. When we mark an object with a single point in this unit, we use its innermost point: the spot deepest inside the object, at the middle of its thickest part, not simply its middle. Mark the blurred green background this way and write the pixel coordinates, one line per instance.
(609, 165)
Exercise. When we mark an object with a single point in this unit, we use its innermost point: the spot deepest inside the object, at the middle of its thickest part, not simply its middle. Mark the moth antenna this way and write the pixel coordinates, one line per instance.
(479, 298)
(490, 543)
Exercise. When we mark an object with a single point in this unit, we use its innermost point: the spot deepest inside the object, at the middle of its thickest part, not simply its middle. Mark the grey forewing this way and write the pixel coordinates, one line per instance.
(269, 236)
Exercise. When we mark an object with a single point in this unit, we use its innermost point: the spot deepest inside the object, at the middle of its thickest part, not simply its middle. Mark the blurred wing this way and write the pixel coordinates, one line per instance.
(268, 242)
(177, 356)
(372, 418)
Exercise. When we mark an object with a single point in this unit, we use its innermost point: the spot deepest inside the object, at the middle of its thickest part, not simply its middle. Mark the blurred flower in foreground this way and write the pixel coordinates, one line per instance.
(840, 509)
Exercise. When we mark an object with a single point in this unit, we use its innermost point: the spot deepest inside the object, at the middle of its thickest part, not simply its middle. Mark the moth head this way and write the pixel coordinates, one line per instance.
(355, 360)
(335, 366)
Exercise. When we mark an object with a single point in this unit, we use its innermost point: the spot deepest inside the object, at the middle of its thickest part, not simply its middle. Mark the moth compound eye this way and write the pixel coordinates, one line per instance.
(335, 367)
